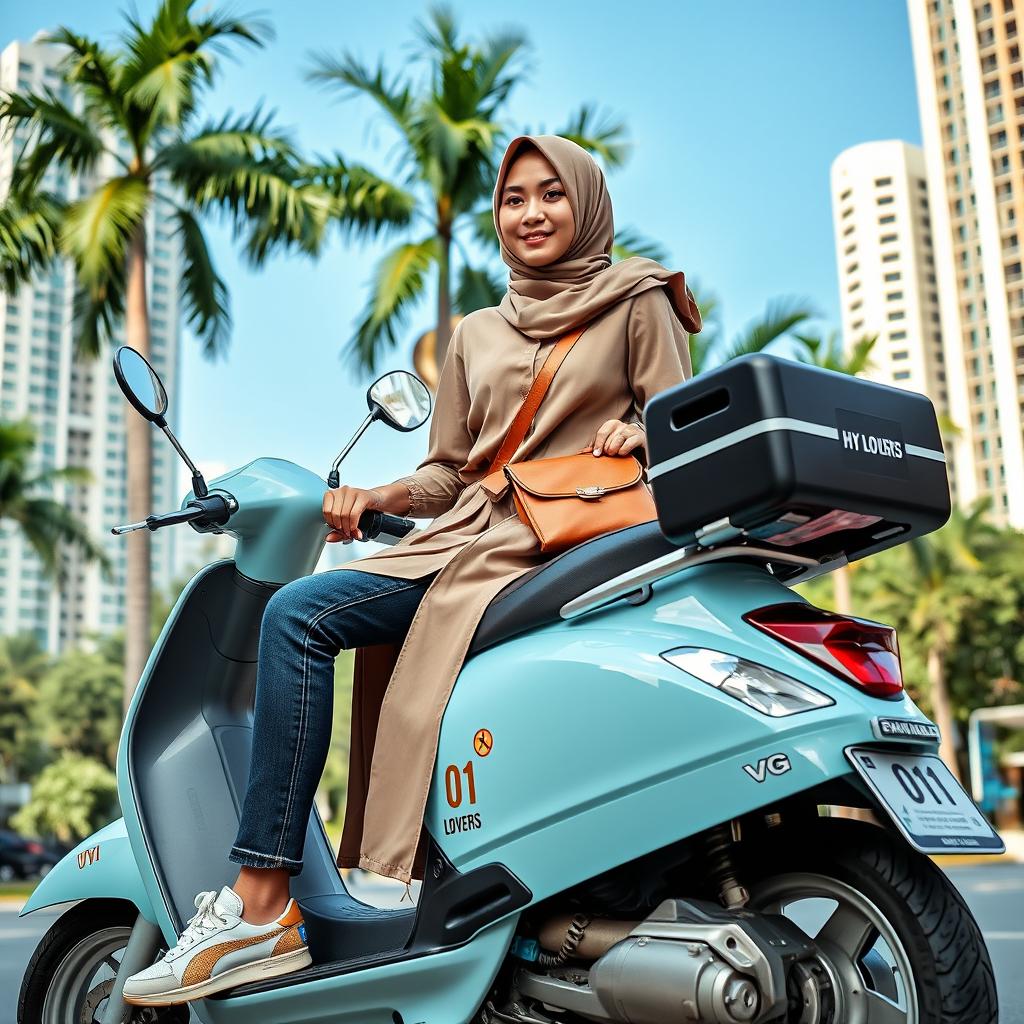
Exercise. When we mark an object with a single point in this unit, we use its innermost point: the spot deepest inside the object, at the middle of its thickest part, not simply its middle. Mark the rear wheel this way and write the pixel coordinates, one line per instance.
(898, 944)
(71, 973)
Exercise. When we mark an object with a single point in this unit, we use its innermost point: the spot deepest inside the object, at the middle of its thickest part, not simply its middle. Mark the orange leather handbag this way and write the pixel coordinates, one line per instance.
(568, 499)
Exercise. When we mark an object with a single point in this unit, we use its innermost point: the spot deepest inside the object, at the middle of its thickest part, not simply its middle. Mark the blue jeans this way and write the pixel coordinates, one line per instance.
(305, 624)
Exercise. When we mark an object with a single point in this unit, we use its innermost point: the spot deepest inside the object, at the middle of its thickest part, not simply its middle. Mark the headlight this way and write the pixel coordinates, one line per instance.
(758, 686)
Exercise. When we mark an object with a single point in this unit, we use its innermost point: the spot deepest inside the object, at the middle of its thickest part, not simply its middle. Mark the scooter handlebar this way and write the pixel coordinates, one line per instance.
(373, 522)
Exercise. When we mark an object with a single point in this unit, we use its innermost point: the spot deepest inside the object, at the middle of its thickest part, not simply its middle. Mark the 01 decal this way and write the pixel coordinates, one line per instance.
(460, 787)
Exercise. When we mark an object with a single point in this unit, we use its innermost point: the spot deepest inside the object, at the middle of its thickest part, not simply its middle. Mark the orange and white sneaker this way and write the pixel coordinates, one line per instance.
(218, 950)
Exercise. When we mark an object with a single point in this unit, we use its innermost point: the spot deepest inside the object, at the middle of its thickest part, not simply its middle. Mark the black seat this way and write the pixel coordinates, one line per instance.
(535, 597)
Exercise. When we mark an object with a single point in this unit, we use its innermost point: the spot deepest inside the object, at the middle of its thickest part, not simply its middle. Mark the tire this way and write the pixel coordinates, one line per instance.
(69, 974)
(929, 960)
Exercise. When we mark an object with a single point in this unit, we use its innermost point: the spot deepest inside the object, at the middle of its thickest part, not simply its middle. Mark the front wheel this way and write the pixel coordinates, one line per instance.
(71, 973)
(898, 945)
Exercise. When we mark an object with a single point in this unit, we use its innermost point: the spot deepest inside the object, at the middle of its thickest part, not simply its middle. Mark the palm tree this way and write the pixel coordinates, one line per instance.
(710, 348)
(829, 354)
(449, 135)
(44, 521)
(135, 128)
(928, 596)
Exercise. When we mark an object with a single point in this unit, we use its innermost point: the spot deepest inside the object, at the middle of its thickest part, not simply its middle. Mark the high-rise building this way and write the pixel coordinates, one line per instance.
(76, 407)
(970, 86)
(887, 276)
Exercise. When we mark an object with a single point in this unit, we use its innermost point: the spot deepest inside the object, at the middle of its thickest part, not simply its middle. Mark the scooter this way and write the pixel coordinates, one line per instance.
(628, 816)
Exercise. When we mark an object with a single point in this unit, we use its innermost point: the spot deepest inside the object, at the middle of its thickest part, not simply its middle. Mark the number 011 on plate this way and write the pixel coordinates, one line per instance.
(926, 803)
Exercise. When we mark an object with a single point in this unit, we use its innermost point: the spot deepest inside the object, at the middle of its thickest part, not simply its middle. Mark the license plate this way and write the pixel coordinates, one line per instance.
(925, 802)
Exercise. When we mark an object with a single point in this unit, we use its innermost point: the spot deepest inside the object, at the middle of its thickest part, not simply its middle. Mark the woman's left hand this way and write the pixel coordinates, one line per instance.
(617, 438)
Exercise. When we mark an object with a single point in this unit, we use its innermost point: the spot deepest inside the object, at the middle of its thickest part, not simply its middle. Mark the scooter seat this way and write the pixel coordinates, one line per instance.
(340, 927)
(536, 597)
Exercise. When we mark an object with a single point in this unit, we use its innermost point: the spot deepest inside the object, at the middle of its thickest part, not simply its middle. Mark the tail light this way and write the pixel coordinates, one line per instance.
(34, 847)
(860, 651)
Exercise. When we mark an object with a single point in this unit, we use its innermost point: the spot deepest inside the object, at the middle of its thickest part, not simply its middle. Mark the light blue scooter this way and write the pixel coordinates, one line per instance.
(628, 814)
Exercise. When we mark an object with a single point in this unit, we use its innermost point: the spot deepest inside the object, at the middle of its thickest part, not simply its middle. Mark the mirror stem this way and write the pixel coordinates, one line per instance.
(198, 483)
(333, 478)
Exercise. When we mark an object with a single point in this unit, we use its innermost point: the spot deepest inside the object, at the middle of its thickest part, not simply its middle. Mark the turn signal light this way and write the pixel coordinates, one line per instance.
(860, 651)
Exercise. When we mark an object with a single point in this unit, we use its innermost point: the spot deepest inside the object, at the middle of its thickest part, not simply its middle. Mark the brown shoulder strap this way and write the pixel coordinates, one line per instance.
(520, 425)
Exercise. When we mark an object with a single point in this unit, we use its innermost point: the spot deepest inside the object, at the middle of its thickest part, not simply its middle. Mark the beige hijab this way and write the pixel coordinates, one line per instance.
(547, 301)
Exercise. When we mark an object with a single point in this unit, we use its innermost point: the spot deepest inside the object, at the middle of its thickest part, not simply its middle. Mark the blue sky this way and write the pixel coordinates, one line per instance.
(735, 112)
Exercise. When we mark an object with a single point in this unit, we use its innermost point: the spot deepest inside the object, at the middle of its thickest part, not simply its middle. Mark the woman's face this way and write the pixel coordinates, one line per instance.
(533, 203)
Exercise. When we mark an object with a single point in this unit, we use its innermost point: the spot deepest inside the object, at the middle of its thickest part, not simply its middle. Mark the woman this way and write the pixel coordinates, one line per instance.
(412, 609)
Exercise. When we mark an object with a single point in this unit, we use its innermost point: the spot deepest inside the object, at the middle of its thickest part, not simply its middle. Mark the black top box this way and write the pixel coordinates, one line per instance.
(789, 456)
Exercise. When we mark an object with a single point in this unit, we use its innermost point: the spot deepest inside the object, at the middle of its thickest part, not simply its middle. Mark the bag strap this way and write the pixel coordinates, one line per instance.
(523, 419)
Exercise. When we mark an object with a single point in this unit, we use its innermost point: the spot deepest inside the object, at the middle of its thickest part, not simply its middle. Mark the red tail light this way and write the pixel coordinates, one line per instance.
(34, 847)
(860, 651)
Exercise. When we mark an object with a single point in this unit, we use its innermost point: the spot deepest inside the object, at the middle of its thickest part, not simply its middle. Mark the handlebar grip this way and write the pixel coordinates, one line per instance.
(373, 522)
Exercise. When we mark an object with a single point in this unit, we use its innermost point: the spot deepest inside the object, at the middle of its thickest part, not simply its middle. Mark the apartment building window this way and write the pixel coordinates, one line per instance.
(846, 213)
(853, 287)
(886, 239)
(902, 354)
(901, 375)
(998, 139)
(851, 267)
(856, 325)
(846, 195)
(856, 305)
(882, 182)
(889, 218)
(890, 257)
(897, 335)
(892, 296)
(893, 275)
(885, 200)
(850, 249)
(897, 314)
(848, 230)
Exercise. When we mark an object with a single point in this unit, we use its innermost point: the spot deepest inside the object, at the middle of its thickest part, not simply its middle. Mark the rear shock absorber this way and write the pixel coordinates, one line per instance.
(718, 850)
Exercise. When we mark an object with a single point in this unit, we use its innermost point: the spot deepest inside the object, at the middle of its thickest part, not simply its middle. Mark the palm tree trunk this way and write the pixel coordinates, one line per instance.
(139, 434)
(841, 590)
(941, 707)
(444, 299)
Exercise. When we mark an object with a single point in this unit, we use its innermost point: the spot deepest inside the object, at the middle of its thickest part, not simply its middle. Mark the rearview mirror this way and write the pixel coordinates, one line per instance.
(141, 384)
(399, 398)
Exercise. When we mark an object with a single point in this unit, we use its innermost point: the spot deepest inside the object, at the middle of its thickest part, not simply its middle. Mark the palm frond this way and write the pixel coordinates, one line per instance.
(47, 524)
(248, 170)
(171, 58)
(94, 73)
(438, 35)
(481, 224)
(98, 229)
(477, 289)
(366, 204)
(350, 76)
(600, 134)
(98, 310)
(29, 232)
(501, 67)
(629, 243)
(781, 316)
(398, 283)
(204, 292)
(61, 137)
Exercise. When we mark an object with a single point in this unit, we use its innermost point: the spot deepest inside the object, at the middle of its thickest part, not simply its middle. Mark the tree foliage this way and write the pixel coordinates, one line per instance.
(72, 797)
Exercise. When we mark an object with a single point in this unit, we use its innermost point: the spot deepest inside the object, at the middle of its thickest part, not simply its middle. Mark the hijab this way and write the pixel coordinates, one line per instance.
(548, 301)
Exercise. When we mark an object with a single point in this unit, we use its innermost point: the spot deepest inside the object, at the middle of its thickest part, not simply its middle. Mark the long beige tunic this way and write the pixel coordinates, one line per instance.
(630, 352)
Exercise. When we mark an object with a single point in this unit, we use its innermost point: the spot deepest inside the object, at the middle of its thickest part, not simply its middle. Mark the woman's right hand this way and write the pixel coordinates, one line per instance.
(344, 505)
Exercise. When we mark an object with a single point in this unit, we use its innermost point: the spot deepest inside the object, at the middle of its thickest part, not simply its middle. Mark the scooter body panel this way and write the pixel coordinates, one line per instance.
(102, 866)
(603, 750)
(442, 988)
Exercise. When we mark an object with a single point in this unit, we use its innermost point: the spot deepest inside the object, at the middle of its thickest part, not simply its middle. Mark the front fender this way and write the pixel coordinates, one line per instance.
(100, 866)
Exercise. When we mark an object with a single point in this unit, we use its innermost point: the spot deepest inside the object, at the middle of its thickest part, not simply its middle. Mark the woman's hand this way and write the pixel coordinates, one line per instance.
(342, 508)
(617, 438)
(344, 505)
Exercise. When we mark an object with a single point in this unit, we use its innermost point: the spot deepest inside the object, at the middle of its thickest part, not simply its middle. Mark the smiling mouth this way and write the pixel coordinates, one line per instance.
(536, 236)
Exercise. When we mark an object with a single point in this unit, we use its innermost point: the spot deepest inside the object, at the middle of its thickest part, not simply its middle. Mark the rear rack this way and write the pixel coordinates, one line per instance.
(802, 568)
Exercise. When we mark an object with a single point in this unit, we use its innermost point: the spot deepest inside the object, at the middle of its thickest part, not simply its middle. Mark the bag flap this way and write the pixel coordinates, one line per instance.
(561, 476)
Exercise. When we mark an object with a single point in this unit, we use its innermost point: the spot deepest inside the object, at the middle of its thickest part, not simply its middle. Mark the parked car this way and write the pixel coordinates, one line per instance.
(21, 857)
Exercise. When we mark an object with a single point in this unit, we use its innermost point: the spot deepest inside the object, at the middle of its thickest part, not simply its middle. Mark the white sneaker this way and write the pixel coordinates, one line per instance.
(218, 950)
